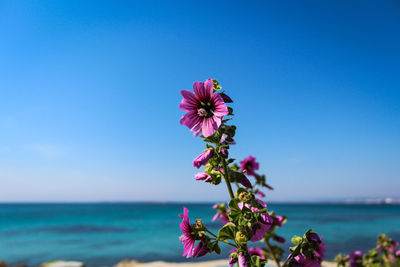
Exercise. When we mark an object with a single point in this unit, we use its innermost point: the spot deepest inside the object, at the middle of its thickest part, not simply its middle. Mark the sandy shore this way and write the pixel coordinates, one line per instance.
(215, 263)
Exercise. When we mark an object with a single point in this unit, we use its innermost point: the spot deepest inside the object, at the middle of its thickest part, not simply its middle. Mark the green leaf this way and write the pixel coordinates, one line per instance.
(227, 232)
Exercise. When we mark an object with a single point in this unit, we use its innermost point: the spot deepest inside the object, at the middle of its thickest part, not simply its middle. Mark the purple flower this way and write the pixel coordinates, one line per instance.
(355, 257)
(203, 158)
(204, 108)
(240, 257)
(250, 165)
(224, 152)
(187, 238)
(221, 216)
(265, 221)
(257, 251)
(398, 253)
(226, 98)
(260, 193)
(246, 182)
(203, 176)
(200, 250)
(278, 220)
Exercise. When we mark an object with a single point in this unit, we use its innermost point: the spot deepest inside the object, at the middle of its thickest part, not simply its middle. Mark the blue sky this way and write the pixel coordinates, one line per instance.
(90, 94)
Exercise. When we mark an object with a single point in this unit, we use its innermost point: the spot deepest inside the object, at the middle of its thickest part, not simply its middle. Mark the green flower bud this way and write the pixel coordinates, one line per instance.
(240, 238)
(199, 225)
(296, 240)
(244, 197)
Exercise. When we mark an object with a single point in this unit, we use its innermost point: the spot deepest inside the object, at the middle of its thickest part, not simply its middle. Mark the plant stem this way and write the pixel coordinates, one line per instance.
(295, 252)
(226, 176)
(272, 253)
(216, 237)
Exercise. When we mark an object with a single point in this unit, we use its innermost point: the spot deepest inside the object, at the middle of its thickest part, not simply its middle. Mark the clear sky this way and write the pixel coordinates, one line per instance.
(90, 94)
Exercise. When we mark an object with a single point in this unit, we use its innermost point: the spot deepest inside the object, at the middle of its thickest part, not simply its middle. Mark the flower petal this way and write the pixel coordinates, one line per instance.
(220, 107)
(189, 101)
(200, 91)
(209, 126)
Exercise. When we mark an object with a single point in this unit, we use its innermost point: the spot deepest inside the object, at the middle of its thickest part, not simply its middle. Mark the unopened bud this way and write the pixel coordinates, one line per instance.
(240, 238)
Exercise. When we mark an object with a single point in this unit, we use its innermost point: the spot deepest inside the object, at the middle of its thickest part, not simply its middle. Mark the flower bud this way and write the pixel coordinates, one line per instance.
(199, 224)
(244, 197)
(240, 238)
(296, 240)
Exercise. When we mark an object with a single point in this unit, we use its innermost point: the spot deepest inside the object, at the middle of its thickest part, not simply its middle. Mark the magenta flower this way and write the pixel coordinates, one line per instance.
(200, 250)
(203, 176)
(203, 158)
(260, 193)
(257, 251)
(250, 165)
(204, 108)
(246, 182)
(278, 220)
(240, 257)
(355, 257)
(265, 221)
(221, 215)
(187, 238)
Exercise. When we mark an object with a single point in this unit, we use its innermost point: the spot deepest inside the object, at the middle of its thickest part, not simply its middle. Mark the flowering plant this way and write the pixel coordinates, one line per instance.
(246, 217)
(386, 253)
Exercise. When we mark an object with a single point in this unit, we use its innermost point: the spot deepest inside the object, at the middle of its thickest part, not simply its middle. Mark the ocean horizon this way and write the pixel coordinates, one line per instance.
(104, 233)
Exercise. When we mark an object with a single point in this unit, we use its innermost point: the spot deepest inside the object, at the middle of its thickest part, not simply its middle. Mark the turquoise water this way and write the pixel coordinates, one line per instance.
(103, 234)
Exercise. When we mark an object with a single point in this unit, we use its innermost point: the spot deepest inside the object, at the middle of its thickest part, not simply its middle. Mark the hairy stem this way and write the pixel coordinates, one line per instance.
(295, 252)
(226, 176)
(272, 253)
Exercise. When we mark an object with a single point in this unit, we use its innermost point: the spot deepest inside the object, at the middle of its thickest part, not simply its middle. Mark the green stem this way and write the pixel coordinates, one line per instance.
(226, 176)
(216, 237)
(272, 253)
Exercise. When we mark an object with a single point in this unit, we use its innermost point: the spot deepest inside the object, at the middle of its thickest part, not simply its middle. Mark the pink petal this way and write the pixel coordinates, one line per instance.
(220, 108)
(192, 121)
(200, 91)
(209, 126)
(189, 101)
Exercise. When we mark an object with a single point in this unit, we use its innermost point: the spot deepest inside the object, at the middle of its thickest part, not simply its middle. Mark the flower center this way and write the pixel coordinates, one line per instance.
(205, 109)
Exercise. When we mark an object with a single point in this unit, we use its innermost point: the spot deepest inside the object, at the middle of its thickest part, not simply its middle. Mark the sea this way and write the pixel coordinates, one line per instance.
(102, 234)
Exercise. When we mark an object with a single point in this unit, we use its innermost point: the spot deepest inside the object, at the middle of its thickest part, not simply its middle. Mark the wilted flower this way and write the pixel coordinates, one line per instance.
(278, 220)
(235, 257)
(200, 250)
(203, 176)
(257, 251)
(187, 238)
(250, 165)
(203, 158)
(204, 108)
(221, 215)
(265, 222)
(226, 98)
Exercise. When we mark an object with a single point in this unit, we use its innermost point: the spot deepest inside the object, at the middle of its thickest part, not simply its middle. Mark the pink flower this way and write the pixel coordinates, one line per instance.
(203, 158)
(260, 193)
(265, 222)
(221, 215)
(203, 176)
(240, 257)
(204, 108)
(200, 250)
(257, 251)
(250, 165)
(246, 182)
(187, 238)
(278, 220)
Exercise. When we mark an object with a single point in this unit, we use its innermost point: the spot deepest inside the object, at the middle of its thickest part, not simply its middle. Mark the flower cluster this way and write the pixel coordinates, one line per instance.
(386, 253)
(245, 217)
